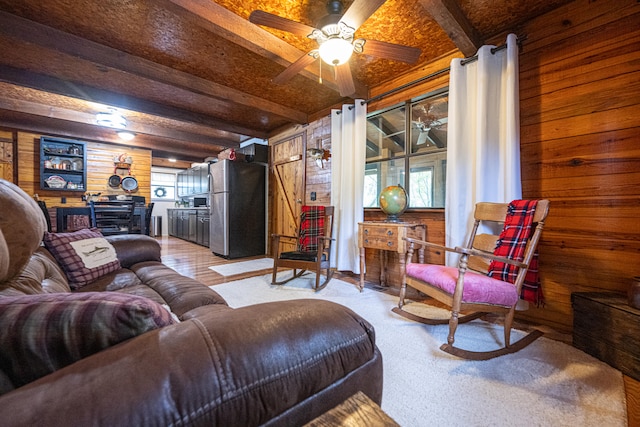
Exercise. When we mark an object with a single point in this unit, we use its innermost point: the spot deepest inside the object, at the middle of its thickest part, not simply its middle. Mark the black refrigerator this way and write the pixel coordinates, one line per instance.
(237, 226)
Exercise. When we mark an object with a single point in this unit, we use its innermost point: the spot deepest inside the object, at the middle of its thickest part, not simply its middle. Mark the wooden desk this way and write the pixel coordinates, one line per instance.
(356, 411)
(388, 236)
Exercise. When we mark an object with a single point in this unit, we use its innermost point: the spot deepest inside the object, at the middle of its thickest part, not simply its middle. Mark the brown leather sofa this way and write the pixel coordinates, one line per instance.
(281, 363)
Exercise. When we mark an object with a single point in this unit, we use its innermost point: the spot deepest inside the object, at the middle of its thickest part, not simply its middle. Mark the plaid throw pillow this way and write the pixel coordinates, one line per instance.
(42, 333)
(311, 228)
(84, 255)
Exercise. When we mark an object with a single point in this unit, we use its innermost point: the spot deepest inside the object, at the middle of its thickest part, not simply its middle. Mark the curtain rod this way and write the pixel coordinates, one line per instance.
(464, 62)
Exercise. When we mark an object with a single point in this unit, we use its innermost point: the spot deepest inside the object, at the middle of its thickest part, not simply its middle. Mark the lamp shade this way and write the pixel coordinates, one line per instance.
(335, 51)
(126, 135)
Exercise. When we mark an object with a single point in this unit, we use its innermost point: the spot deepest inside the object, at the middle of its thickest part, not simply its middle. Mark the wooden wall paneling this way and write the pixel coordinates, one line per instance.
(580, 147)
(632, 389)
(318, 179)
(100, 166)
(7, 148)
(27, 164)
(416, 90)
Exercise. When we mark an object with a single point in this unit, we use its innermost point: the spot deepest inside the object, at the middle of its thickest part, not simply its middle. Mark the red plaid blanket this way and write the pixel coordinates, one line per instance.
(311, 228)
(512, 243)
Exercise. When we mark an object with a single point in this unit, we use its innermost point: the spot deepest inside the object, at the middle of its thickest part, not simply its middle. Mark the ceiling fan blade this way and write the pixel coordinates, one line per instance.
(391, 51)
(260, 17)
(344, 79)
(295, 68)
(360, 11)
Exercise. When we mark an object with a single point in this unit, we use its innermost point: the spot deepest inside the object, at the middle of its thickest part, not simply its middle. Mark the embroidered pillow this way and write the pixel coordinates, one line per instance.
(42, 333)
(84, 255)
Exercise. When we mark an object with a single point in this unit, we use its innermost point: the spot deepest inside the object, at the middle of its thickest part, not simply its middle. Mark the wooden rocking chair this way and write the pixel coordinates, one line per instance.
(313, 246)
(495, 282)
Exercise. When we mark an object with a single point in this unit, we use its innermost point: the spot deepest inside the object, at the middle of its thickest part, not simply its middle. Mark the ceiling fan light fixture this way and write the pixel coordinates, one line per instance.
(335, 51)
(111, 119)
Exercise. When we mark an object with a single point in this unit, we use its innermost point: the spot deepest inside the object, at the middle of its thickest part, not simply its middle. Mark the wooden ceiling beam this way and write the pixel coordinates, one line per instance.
(451, 18)
(45, 110)
(42, 35)
(57, 86)
(187, 151)
(240, 31)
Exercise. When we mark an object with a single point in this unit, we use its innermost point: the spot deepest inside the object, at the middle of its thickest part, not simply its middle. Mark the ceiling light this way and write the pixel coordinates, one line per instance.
(126, 135)
(111, 119)
(335, 51)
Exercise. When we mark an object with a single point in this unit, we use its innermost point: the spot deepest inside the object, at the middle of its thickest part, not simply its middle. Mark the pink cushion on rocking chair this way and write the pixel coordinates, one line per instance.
(478, 288)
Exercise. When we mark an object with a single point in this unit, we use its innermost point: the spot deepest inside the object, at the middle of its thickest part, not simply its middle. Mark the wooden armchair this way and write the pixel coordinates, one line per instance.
(493, 273)
(313, 241)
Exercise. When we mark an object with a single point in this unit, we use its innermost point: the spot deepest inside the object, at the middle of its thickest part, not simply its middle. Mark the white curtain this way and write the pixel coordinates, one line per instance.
(483, 153)
(348, 137)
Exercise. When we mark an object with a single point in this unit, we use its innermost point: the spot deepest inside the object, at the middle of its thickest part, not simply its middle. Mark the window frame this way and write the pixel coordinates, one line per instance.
(408, 155)
(153, 185)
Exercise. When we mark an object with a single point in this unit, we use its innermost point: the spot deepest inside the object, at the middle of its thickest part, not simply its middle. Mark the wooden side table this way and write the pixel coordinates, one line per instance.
(388, 236)
(357, 411)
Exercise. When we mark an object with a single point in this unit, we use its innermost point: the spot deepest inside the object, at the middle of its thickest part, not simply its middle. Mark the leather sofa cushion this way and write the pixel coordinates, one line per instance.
(42, 274)
(40, 334)
(84, 255)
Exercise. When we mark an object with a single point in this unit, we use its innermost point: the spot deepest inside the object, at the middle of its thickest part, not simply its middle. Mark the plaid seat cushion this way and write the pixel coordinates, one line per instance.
(311, 228)
(42, 333)
(84, 255)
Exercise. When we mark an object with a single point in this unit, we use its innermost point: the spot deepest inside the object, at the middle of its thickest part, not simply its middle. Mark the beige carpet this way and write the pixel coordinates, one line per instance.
(549, 383)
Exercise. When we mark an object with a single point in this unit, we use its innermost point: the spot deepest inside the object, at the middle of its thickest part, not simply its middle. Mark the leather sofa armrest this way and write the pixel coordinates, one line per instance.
(134, 248)
(227, 367)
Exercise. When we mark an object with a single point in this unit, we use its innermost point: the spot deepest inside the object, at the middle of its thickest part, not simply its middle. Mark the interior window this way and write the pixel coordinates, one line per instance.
(163, 186)
(409, 137)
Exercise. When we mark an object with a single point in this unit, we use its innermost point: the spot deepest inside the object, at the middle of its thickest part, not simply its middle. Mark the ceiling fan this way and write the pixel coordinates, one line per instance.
(427, 123)
(335, 36)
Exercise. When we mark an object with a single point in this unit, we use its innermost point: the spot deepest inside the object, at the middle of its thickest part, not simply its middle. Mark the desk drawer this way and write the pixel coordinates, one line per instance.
(380, 238)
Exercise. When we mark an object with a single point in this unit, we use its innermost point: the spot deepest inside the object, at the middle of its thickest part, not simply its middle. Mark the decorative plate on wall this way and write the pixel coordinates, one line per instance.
(114, 181)
(129, 183)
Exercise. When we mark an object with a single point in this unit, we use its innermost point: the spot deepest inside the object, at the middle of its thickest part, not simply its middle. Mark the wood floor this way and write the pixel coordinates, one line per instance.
(193, 261)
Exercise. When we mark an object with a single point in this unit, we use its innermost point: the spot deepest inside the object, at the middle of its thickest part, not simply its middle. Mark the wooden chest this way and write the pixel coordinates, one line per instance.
(606, 327)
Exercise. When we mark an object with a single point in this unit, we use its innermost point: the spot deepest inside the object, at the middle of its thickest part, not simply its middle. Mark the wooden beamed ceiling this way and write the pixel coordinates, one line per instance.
(193, 77)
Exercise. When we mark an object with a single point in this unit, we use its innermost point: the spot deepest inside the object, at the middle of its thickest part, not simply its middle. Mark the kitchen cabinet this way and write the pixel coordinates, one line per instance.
(190, 224)
(194, 181)
(63, 165)
(202, 228)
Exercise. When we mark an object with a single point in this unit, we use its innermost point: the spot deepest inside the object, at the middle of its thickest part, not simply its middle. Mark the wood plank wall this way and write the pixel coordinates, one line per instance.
(7, 145)
(100, 167)
(580, 145)
(580, 148)
(317, 179)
